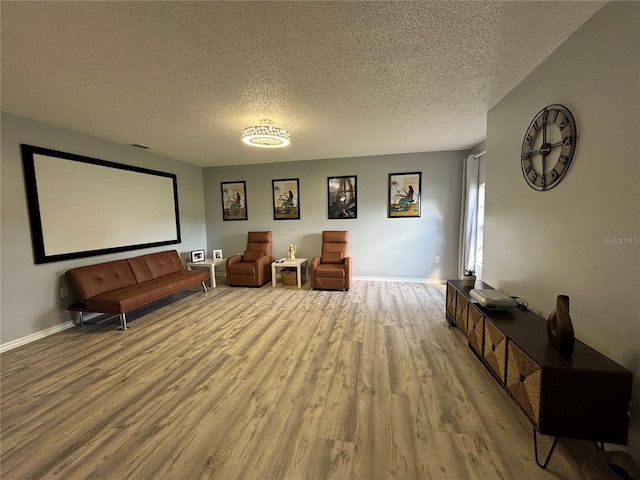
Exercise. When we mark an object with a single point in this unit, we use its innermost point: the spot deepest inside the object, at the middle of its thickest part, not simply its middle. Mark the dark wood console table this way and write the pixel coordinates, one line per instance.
(585, 397)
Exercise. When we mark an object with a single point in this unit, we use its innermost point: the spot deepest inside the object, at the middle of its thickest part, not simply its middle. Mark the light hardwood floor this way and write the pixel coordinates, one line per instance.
(243, 383)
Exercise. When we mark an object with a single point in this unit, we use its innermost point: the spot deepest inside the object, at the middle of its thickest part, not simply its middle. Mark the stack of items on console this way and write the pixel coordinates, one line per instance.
(119, 286)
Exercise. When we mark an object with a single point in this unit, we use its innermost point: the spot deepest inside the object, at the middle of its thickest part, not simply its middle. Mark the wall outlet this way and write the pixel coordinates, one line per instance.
(64, 291)
(437, 259)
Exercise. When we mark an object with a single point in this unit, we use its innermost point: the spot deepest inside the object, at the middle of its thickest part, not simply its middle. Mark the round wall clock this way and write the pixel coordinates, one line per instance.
(548, 147)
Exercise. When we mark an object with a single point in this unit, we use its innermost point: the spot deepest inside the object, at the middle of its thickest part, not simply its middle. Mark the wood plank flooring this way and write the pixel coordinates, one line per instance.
(242, 383)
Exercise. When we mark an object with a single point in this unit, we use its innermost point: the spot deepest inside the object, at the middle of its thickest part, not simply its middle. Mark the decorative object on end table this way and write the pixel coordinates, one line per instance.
(291, 252)
(560, 329)
(217, 254)
(197, 255)
(469, 279)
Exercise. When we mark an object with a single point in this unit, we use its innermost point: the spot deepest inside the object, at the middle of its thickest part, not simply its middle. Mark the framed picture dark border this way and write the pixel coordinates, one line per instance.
(286, 199)
(234, 200)
(342, 196)
(36, 195)
(404, 198)
(197, 256)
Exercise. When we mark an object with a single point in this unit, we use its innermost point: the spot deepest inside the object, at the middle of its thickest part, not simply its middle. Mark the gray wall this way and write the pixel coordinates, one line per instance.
(31, 302)
(582, 237)
(381, 247)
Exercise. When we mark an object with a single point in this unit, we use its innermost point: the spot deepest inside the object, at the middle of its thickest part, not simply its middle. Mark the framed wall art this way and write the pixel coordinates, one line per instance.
(234, 200)
(197, 256)
(404, 194)
(342, 195)
(286, 199)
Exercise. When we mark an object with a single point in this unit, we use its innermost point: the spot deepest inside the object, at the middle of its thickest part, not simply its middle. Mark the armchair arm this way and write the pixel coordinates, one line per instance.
(233, 259)
(315, 261)
(263, 268)
(347, 273)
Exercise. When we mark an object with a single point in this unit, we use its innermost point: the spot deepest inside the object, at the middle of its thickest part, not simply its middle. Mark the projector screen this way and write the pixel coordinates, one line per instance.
(81, 206)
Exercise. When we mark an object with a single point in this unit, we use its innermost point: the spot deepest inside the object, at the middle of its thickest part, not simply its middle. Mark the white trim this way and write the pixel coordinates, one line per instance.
(35, 336)
(402, 279)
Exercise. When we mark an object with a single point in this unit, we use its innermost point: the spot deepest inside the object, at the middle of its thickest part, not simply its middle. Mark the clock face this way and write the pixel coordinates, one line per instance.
(548, 147)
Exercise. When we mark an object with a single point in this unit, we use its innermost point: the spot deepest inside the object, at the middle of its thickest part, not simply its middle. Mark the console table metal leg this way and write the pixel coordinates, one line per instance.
(535, 446)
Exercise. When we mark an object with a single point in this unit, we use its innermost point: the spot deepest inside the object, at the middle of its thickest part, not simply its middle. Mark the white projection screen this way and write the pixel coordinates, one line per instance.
(81, 206)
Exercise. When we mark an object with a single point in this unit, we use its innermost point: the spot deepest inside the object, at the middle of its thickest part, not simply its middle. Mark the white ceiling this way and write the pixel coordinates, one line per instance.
(346, 78)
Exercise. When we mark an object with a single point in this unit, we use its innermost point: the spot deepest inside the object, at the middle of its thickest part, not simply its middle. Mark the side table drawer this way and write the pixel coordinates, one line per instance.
(475, 328)
(462, 307)
(523, 382)
(495, 350)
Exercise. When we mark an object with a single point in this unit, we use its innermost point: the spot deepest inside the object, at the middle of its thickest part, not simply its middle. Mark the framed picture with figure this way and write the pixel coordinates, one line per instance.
(234, 200)
(404, 194)
(342, 197)
(286, 199)
(197, 256)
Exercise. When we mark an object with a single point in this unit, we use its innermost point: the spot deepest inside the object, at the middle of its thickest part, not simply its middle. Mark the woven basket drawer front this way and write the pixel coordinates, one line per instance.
(451, 301)
(289, 277)
(462, 307)
(475, 329)
(523, 381)
(495, 350)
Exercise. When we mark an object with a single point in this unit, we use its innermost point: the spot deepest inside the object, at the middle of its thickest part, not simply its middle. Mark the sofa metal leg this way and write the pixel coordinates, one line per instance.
(204, 287)
(123, 321)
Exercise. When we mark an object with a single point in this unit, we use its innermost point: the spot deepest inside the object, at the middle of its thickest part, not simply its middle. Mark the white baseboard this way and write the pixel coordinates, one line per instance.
(35, 336)
(402, 279)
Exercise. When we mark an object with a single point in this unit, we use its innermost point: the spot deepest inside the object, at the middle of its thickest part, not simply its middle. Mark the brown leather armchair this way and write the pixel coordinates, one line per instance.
(253, 268)
(332, 271)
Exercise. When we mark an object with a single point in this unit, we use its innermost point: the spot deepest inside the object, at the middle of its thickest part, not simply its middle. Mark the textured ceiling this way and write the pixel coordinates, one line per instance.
(346, 78)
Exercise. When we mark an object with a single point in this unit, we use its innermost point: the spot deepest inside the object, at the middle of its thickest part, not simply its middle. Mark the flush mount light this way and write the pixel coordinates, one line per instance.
(266, 135)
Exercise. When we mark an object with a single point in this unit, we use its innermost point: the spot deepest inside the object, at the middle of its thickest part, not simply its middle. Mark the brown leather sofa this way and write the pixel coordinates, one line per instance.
(332, 271)
(122, 285)
(253, 268)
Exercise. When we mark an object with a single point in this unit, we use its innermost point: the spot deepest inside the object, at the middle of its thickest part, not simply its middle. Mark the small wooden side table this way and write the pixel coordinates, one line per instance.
(284, 263)
(209, 264)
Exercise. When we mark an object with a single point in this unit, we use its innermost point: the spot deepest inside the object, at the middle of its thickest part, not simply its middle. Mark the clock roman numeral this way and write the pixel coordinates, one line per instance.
(563, 123)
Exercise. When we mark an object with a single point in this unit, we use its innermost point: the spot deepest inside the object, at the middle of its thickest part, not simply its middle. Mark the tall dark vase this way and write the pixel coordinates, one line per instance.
(560, 329)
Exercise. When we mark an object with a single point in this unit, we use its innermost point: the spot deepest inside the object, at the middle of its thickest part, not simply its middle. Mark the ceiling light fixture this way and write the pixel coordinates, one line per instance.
(266, 135)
